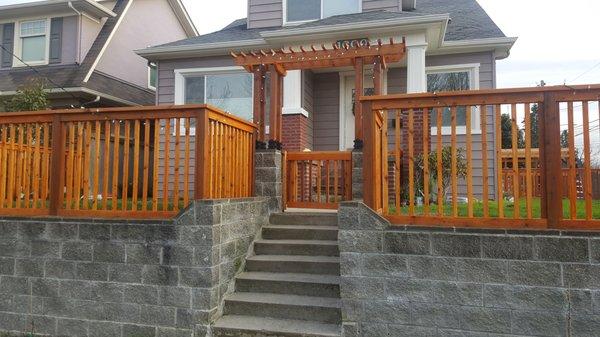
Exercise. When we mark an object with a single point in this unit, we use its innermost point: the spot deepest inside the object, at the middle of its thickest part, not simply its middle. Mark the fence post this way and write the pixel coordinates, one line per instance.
(202, 155)
(369, 149)
(552, 161)
(57, 165)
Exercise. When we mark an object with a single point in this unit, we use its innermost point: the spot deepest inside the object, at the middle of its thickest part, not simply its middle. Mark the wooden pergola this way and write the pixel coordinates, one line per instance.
(277, 62)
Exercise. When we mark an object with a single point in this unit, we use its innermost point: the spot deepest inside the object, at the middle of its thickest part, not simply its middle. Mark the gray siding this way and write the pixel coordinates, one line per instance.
(327, 112)
(388, 5)
(69, 40)
(269, 13)
(308, 91)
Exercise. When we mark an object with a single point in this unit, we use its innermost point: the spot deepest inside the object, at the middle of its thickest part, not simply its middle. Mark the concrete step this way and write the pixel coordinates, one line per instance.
(329, 265)
(296, 247)
(251, 326)
(319, 309)
(304, 219)
(283, 232)
(289, 283)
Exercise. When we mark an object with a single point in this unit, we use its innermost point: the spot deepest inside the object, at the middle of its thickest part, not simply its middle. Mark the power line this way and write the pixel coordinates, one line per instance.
(39, 74)
(585, 72)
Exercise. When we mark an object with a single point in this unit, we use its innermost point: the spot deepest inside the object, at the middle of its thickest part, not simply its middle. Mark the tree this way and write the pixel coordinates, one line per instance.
(506, 126)
(461, 169)
(564, 143)
(535, 131)
(29, 97)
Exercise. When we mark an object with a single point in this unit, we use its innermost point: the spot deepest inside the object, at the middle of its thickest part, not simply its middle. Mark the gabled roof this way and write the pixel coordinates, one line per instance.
(468, 21)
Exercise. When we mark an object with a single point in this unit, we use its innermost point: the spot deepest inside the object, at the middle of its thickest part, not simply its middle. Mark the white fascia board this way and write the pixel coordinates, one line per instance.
(367, 27)
(91, 7)
(184, 17)
(207, 49)
(501, 46)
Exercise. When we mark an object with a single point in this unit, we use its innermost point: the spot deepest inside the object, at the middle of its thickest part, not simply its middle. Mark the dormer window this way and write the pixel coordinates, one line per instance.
(298, 11)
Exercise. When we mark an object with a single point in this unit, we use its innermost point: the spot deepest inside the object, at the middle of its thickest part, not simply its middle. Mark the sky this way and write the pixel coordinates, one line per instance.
(557, 42)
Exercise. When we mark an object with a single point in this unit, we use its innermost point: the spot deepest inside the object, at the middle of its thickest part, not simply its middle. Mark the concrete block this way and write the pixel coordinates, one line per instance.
(131, 330)
(486, 320)
(456, 245)
(45, 249)
(71, 327)
(77, 251)
(406, 243)
(160, 275)
(535, 273)
(60, 269)
(562, 249)
(92, 271)
(581, 276)
(109, 252)
(143, 254)
(360, 241)
(29, 267)
(538, 323)
(474, 270)
(104, 329)
(7, 266)
(433, 268)
(94, 232)
(507, 247)
(141, 294)
(125, 273)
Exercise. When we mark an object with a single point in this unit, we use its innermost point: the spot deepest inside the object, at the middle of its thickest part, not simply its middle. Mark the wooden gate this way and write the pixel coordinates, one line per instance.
(319, 180)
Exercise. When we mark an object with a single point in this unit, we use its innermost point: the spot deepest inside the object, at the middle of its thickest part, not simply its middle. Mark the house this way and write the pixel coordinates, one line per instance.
(450, 45)
(83, 49)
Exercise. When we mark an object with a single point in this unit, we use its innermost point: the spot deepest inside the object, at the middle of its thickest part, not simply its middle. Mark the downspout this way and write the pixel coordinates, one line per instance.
(79, 31)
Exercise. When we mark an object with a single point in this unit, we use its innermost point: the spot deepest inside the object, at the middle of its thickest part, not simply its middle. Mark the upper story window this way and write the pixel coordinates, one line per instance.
(152, 75)
(33, 41)
(307, 10)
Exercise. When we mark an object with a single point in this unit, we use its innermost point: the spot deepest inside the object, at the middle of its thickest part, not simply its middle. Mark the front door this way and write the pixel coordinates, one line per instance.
(347, 131)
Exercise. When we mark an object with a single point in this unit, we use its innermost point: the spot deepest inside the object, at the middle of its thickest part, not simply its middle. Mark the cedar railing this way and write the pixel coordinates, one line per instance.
(319, 180)
(142, 162)
(470, 157)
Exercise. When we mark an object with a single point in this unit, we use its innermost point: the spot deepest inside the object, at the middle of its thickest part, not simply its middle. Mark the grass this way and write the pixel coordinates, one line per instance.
(109, 205)
(509, 209)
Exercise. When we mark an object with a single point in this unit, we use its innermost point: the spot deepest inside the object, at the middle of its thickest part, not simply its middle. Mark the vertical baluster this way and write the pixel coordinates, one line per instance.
(454, 164)
(426, 131)
(115, 167)
(70, 165)
(440, 166)
(498, 132)
(572, 164)
(12, 166)
(106, 157)
(97, 141)
(588, 162)
(45, 163)
(167, 165)
(335, 181)
(186, 173)
(528, 173)
(87, 164)
(3, 161)
(411, 162)
(146, 168)
(125, 181)
(484, 155)
(176, 168)
(20, 155)
(79, 166)
(136, 165)
(398, 160)
(27, 165)
(469, 137)
(515, 160)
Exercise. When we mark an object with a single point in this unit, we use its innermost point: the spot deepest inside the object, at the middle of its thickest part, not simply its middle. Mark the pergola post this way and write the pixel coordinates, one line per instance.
(378, 76)
(358, 92)
(259, 113)
(276, 106)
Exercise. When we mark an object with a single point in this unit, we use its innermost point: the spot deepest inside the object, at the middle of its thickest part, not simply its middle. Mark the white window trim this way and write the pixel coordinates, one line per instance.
(296, 23)
(18, 48)
(473, 70)
(150, 86)
(181, 74)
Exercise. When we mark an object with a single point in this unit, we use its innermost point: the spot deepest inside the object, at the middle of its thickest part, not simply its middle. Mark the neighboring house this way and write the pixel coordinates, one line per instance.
(84, 49)
(451, 45)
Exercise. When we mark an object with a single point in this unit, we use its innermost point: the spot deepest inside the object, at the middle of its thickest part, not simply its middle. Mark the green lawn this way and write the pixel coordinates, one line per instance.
(509, 209)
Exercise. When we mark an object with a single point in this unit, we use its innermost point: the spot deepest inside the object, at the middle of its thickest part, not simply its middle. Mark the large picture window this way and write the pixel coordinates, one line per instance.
(454, 78)
(33, 37)
(308, 10)
(229, 90)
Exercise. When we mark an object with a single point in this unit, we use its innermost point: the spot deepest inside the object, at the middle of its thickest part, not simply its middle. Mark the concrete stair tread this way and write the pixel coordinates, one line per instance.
(317, 228)
(295, 300)
(290, 277)
(298, 242)
(295, 258)
(281, 326)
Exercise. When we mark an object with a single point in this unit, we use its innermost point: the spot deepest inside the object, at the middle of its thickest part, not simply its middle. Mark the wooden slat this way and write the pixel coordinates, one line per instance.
(587, 189)
(498, 133)
(528, 175)
(95, 185)
(125, 180)
(411, 162)
(469, 137)
(426, 133)
(87, 163)
(186, 170)
(572, 163)
(454, 163)
(167, 165)
(70, 165)
(4, 153)
(440, 172)
(106, 171)
(136, 166)
(115, 165)
(79, 166)
(177, 163)
(515, 160)
(398, 160)
(11, 167)
(484, 155)
(26, 166)
(155, 163)
(146, 173)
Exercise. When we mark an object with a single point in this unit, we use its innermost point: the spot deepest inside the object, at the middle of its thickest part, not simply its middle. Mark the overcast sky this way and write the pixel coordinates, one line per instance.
(557, 38)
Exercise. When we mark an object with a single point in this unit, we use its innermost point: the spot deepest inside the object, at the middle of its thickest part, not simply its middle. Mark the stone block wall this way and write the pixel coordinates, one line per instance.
(268, 180)
(124, 278)
(357, 175)
(406, 281)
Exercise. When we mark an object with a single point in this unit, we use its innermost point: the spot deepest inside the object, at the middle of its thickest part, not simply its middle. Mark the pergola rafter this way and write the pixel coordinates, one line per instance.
(277, 62)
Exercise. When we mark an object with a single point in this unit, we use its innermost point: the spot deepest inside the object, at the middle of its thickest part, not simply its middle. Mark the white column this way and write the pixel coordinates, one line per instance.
(416, 46)
(292, 93)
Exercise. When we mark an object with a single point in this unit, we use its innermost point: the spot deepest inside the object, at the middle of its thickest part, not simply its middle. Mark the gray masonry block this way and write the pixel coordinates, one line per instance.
(535, 273)
(562, 249)
(406, 243)
(507, 247)
(456, 245)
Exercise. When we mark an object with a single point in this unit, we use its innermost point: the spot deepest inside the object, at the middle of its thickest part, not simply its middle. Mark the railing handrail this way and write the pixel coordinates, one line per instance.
(135, 112)
(483, 96)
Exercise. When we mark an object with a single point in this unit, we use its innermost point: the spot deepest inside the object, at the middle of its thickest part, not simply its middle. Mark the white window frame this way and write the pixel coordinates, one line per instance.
(18, 45)
(150, 86)
(181, 74)
(295, 23)
(473, 70)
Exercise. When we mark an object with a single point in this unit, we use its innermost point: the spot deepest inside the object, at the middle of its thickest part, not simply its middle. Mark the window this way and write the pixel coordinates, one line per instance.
(228, 89)
(152, 75)
(454, 78)
(308, 10)
(33, 36)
